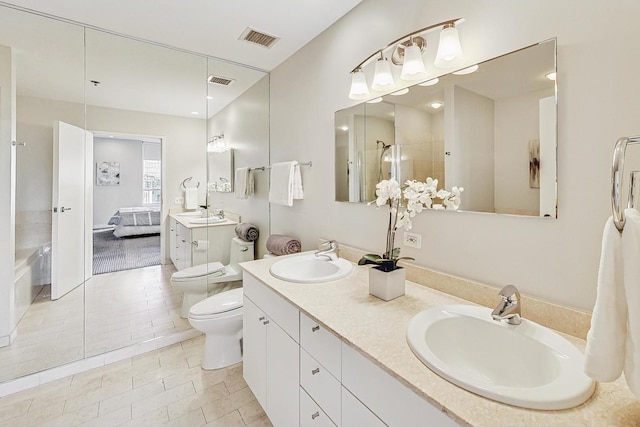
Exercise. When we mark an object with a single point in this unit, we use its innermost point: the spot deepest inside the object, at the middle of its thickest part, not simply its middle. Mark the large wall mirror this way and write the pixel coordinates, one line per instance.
(491, 131)
(132, 109)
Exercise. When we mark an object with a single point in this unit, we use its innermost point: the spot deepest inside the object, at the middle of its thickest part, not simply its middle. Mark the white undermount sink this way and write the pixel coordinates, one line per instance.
(525, 365)
(210, 220)
(311, 269)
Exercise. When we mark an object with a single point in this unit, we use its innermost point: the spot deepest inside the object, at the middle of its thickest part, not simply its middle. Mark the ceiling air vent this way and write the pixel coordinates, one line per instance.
(219, 80)
(253, 36)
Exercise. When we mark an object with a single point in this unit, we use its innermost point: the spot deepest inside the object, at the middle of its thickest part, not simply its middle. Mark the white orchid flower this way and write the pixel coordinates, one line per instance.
(387, 190)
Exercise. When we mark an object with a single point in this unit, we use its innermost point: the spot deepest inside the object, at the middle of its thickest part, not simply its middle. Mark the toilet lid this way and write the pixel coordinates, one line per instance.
(212, 268)
(218, 303)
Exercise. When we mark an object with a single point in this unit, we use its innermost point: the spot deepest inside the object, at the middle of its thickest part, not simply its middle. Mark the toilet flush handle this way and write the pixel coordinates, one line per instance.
(244, 249)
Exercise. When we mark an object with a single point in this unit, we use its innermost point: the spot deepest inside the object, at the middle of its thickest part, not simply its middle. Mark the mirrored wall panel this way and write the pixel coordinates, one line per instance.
(491, 131)
(116, 138)
(42, 77)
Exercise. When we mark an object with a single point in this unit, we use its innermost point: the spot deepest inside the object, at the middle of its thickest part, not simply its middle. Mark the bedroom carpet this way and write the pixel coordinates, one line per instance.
(112, 253)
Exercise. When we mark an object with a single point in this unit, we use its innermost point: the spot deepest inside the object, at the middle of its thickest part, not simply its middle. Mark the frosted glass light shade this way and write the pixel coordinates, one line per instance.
(383, 79)
(359, 89)
(449, 47)
(413, 67)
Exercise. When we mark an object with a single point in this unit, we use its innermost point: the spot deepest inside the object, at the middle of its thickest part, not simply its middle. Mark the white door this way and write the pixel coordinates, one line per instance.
(68, 210)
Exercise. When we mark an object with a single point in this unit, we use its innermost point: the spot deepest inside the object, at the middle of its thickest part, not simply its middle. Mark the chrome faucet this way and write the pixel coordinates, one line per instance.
(509, 307)
(332, 252)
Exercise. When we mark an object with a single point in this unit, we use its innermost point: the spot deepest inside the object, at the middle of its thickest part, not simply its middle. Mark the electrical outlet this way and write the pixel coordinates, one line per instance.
(179, 200)
(413, 240)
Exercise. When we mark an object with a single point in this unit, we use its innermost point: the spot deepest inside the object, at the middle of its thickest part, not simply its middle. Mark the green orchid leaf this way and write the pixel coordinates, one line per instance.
(369, 259)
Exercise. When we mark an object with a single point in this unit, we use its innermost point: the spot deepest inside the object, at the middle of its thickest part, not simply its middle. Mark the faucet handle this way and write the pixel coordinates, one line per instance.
(509, 292)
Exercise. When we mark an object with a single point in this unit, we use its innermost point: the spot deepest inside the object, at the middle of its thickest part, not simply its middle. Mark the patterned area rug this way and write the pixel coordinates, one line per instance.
(112, 253)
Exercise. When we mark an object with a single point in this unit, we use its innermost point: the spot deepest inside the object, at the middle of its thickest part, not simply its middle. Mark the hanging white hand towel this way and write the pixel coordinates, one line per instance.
(191, 198)
(243, 181)
(281, 183)
(298, 193)
(604, 354)
(631, 256)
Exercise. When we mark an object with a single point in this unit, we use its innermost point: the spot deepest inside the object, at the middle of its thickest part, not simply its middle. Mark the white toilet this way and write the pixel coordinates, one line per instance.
(219, 317)
(200, 281)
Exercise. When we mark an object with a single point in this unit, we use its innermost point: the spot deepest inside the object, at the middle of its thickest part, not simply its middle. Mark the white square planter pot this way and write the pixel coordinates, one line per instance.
(386, 285)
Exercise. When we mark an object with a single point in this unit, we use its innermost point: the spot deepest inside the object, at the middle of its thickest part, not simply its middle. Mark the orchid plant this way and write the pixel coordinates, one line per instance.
(419, 196)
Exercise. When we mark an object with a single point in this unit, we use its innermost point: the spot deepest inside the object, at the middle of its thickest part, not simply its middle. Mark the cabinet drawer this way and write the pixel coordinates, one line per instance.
(321, 344)
(311, 415)
(392, 401)
(321, 385)
(355, 414)
(276, 307)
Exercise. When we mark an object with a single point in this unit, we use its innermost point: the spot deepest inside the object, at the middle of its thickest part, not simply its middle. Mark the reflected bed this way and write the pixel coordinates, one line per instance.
(136, 221)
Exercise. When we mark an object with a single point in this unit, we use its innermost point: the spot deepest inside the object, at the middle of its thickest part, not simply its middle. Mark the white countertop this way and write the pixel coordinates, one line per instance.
(184, 220)
(377, 328)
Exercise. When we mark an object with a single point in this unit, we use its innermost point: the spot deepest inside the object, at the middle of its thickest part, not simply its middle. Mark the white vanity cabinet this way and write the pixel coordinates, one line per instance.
(173, 245)
(271, 352)
(302, 374)
(197, 244)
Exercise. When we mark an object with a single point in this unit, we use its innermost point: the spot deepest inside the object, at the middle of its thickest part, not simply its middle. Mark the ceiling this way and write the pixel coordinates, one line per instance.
(210, 27)
(49, 54)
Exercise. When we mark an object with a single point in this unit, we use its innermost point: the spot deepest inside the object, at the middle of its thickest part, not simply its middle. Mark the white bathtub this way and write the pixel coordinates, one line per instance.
(33, 270)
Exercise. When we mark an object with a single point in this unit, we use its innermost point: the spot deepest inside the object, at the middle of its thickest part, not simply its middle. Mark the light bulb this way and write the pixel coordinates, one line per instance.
(413, 67)
(383, 79)
(359, 89)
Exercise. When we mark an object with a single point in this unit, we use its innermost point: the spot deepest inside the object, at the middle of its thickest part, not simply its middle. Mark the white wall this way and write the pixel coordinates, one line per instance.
(245, 124)
(598, 86)
(107, 199)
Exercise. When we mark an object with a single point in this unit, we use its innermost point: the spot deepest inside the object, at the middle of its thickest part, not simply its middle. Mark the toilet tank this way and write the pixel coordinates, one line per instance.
(241, 251)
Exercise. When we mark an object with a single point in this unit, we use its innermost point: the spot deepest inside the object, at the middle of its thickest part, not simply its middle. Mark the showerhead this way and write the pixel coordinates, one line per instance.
(385, 147)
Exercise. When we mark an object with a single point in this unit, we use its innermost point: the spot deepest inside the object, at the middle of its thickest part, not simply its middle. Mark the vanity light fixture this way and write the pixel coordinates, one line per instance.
(449, 47)
(217, 144)
(436, 104)
(383, 79)
(407, 51)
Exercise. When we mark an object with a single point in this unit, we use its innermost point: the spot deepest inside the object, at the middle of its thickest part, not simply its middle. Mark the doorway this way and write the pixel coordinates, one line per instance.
(127, 202)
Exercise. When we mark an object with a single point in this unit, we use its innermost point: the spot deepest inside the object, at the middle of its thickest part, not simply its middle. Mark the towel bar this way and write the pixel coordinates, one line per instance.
(617, 177)
(187, 180)
(261, 168)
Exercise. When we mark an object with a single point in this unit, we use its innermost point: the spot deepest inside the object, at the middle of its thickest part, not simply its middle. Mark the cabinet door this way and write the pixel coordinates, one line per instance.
(254, 356)
(173, 250)
(283, 394)
(183, 238)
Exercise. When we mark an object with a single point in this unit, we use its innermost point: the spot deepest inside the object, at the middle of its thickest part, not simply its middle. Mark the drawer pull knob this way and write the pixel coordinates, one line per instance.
(315, 328)
(261, 318)
(315, 371)
(266, 322)
(314, 416)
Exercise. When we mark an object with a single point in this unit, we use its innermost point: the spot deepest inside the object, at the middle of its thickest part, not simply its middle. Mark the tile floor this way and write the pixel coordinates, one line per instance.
(116, 310)
(162, 387)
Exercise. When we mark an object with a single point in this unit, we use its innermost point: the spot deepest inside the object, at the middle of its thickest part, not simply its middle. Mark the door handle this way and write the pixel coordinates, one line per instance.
(62, 209)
